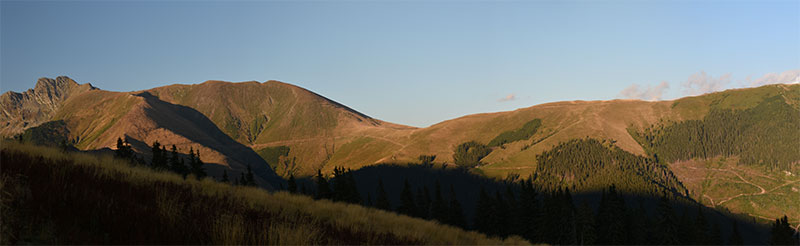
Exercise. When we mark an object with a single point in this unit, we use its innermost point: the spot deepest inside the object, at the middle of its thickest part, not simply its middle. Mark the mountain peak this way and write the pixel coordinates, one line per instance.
(35, 106)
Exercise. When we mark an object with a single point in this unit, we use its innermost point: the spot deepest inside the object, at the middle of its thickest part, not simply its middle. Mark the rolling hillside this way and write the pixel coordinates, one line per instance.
(282, 129)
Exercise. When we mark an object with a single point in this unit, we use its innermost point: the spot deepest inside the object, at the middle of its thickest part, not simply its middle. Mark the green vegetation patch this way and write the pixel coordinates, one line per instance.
(469, 154)
(272, 155)
(523, 133)
(590, 165)
(257, 126)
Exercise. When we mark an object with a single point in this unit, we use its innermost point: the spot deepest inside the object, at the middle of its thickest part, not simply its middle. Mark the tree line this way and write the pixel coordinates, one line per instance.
(164, 160)
(765, 135)
(543, 215)
(591, 165)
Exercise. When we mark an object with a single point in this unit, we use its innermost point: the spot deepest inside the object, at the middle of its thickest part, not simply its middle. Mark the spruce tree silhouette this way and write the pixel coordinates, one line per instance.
(438, 206)
(196, 164)
(782, 233)
(484, 212)
(291, 184)
(702, 230)
(381, 199)
(610, 226)
(666, 223)
(422, 203)
(323, 190)
(455, 214)
(123, 151)
(159, 161)
(584, 225)
(249, 179)
(736, 237)
(529, 215)
(407, 205)
(176, 163)
(225, 177)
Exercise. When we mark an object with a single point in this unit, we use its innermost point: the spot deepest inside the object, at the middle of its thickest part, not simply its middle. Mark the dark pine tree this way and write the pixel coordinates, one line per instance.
(455, 214)
(438, 206)
(242, 180)
(123, 151)
(782, 233)
(291, 184)
(381, 199)
(736, 237)
(249, 178)
(686, 229)
(529, 214)
(484, 213)
(159, 161)
(610, 221)
(511, 222)
(666, 232)
(638, 225)
(196, 164)
(498, 222)
(323, 190)
(368, 202)
(584, 225)
(702, 231)
(225, 177)
(176, 164)
(423, 203)
(407, 205)
(352, 189)
(715, 235)
(567, 212)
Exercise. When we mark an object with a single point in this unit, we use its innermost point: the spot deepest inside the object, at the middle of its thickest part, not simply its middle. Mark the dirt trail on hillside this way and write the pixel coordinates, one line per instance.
(763, 191)
(710, 199)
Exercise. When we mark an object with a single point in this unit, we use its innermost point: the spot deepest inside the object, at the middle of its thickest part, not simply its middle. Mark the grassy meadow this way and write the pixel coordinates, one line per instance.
(52, 197)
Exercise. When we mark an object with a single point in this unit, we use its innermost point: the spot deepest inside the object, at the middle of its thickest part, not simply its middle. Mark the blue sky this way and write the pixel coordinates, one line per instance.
(409, 62)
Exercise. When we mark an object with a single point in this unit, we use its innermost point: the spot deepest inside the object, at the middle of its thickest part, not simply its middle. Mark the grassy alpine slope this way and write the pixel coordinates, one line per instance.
(52, 197)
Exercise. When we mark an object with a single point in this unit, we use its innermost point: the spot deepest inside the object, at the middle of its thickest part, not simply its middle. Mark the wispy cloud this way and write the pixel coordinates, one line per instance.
(701, 83)
(650, 93)
(510, 97)
(790, 76)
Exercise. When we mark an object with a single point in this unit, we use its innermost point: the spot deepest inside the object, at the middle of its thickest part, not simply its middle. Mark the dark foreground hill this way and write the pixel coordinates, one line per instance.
(52, 197)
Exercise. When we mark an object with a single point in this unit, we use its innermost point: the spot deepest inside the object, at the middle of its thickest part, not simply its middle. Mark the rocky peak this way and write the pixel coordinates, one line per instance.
(19, 111)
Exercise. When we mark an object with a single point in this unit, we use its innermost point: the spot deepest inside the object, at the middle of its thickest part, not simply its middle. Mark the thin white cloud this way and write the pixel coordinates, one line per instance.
(786, 77)
(701, 83)
(651, 93)
(510, 97)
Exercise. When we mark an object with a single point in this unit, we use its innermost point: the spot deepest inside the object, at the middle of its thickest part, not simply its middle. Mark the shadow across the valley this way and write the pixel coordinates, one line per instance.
(193, 125)
(644, 214)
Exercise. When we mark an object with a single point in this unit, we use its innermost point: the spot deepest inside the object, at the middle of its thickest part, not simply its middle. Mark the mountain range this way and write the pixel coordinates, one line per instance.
(279, 129)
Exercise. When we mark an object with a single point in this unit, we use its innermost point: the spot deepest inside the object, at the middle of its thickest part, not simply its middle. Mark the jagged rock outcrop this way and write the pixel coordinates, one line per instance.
(19, 111)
